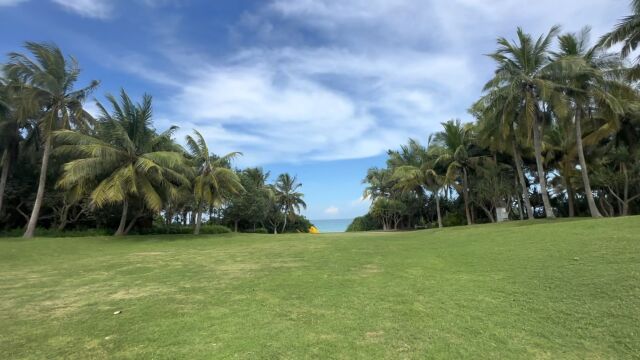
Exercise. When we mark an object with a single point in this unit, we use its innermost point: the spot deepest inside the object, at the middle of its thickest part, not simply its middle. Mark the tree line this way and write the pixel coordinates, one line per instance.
(555, 133)
(62, 168)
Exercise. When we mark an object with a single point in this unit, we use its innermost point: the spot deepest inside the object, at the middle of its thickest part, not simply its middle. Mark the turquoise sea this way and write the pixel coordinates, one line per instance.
(335, 225)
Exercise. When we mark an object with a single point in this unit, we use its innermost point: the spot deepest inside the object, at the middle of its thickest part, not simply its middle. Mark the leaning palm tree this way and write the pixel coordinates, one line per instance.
(523, 78)
(451, 148)
(627, 33)
(215, 182)
(290, 199)
(125, 162)
(50, 80)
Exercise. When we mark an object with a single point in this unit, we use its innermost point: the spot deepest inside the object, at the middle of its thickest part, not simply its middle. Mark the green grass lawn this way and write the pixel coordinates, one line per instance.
(550, 290)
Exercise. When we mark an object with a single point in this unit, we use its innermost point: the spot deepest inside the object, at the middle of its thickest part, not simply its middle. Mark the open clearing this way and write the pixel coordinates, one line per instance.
(543, 290)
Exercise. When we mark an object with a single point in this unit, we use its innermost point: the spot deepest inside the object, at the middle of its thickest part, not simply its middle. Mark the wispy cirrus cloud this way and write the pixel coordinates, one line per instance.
(11, 2)
(99, 9)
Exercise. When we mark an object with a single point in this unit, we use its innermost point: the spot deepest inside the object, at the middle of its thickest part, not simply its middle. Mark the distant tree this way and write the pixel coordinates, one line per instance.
(417, 173)
(215, 182)
(451, 148)
(289, 197)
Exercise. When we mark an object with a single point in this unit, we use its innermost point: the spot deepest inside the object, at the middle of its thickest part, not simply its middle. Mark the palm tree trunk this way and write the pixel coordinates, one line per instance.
(523, 183)
(132, 223)
(4, 176)
(284, 227)
(63, 217)
(465, 195)
(570, 199)
(537, 145)
(123, 219)
(488, 212)
(35, 213)
(196, 231)
(438, 209)
(520, 208)
(593, 209)
(603, 206)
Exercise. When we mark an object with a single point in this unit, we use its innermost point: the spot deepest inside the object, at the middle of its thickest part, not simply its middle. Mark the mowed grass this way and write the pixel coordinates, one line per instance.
(539, 290)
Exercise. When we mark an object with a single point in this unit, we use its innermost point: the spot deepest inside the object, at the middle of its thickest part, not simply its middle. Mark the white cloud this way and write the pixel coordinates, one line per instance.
(375, 73)
(99, 9)
(11, 2)
(332, 210)
(280, 100)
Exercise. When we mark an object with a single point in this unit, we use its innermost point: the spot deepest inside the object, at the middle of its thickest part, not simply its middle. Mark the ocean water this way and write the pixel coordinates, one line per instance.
(335, 225)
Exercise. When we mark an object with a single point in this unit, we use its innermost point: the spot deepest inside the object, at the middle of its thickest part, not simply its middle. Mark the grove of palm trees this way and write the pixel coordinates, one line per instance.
(63, 168)
(555, 134)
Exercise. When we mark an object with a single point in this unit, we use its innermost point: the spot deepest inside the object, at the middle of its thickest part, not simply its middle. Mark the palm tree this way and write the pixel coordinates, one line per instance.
(627, 32)
(586, 85)
(127, 161)
(417, 171)
(497, 130)
(380, 183)
(290, 199)
(50, 80)
(451, 148)
(523, 79)
(215, 182)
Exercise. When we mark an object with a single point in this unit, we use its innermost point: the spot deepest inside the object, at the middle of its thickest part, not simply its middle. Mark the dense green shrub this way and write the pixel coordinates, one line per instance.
(364, 223)
(214, 229)
(453, 219)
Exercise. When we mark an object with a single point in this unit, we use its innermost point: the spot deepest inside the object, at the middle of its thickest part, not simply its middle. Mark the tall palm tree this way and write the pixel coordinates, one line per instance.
(50, 80)
(523, 77)
(289, 198)
(126, 161)
(451, 148)
(627, 32)
(584, 84)
(591, 82)
(215, 182)
(417, 171)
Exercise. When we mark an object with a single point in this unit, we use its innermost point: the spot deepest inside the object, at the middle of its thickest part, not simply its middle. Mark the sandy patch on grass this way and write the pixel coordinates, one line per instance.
(149, 253)
(135, 293)
(370, 269)
(374, 335)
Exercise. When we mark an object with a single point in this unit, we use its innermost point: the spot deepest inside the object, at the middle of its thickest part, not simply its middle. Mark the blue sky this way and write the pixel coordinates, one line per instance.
(320, 89)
